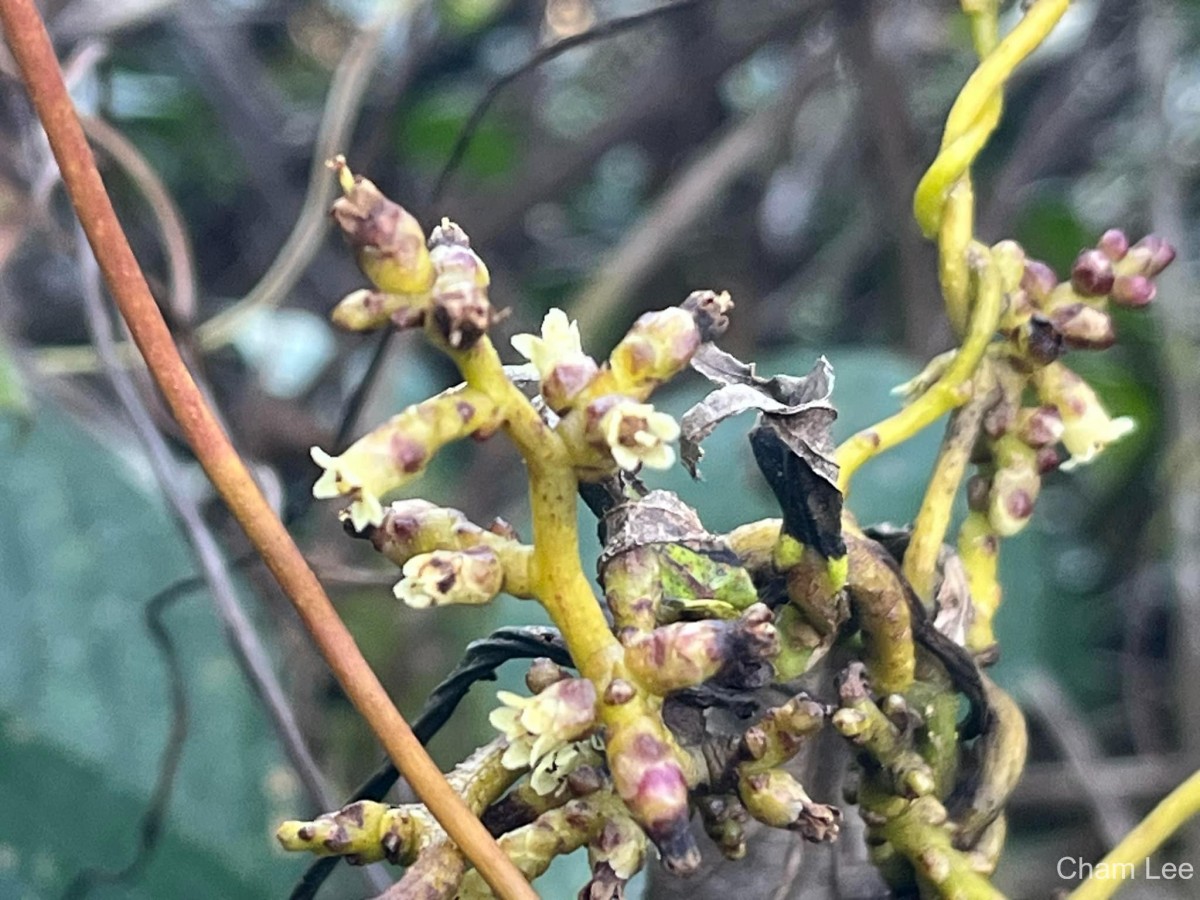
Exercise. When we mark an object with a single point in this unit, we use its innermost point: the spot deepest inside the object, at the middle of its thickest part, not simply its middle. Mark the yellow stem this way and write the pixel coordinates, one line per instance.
(976, 112)
(954, 239)
(948, 392)
(979, 550)
(1150, 834)
(929, 530)
(561, 585)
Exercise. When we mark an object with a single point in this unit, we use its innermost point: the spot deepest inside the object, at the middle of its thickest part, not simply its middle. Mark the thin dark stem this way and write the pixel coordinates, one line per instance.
(601, 31)
(151, 826)
(247, 648)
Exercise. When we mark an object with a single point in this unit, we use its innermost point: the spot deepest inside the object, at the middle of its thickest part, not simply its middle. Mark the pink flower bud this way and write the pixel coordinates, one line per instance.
(1133, 291)
(1113, 244)
(1039, 280)
(1092, 274)
(1040, 427)
(1084, 327)
(1153, 254)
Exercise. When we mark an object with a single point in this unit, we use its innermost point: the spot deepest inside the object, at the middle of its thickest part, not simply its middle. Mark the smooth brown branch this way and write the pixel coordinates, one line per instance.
(30, 44)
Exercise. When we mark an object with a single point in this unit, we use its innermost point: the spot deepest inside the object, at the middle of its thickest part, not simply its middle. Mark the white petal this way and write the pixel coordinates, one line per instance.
(661, 457)
(525, 344)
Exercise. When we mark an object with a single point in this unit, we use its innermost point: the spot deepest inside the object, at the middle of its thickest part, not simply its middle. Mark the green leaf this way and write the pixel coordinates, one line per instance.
(83, 693)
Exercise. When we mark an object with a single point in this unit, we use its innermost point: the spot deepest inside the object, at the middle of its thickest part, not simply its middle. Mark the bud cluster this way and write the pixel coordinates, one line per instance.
(1045, 317)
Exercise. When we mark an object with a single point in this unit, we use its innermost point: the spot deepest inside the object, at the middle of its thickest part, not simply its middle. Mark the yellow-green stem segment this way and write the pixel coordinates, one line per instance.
(949, 391)
(1150, 834)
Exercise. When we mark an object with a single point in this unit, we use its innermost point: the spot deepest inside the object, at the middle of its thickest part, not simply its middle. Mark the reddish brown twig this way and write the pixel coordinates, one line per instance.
(30, 45)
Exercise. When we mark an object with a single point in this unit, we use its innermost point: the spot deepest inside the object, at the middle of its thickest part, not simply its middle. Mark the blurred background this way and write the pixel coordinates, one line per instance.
(765, 147)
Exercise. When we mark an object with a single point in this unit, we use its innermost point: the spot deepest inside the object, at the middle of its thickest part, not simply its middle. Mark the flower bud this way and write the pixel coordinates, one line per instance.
(1047, 460)
(685, 654)
(461, 311)
(1040, 427)
(1009, 259)
(445, 577)
(1088, 428)
(542, 673)
(1017, 310)
(777, 799)
(1084, 327)
(389, 243)
(658, 346)
(711, 312)
(1015, 486)
(1038, 281)
(1113, 244)
(724, 821)
(619, 850)
(564, 369)
(365, 310)
(398, 451)
(1152, 254)
(1039, 341)
(650, 781)
(1133, 291)
(1092, 274)
(781, 733)
(363, 831)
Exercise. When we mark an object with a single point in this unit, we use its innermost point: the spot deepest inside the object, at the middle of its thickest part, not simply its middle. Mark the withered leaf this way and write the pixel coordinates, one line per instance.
(792, 441)
(798, 407)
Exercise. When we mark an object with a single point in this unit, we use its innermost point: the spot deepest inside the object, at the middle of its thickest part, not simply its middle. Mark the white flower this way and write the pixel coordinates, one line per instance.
(340, 480)
(1087, 426)
(1086, 436)
(543, 730)
(638, 435)
(559, 343)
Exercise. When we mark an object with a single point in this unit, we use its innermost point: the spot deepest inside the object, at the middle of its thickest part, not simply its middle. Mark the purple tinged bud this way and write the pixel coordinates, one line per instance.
(1092, 274)
(1040, 340)
(1133, 291)
(542, 673)
(1041, 427)
(1113, 244)
(585, 780)
(1047, 460)
(1084, 327)
(1153, 253)
(619, 692)
(711, 312)
(1039, 280)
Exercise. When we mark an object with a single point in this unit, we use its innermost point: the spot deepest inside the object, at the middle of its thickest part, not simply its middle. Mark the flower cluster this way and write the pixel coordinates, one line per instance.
(545, 731)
